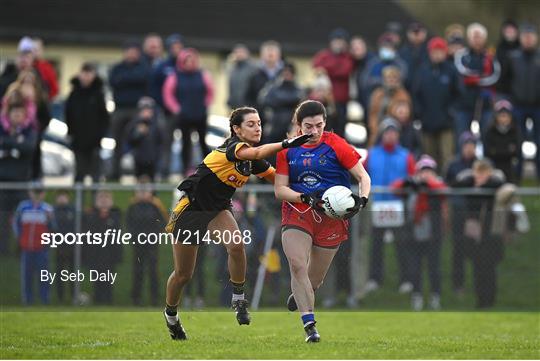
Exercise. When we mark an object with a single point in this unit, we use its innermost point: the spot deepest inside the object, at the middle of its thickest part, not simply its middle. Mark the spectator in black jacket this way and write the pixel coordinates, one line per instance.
(414, 52)
(100, 218)
(279, 100)
(64, 215)
(87, 119)
(463, 161)
(145, 139)
(484, 248)
(17, 147)
(361, 57)
(502, 143)
(146, 215)
(268, 70)
(129, 82)
(434, 91)
(523, 75)
(508, 42)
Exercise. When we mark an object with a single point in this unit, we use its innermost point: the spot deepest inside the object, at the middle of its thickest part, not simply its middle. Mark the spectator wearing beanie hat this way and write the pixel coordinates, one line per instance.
(387, 162)
(428, 213)
(144, 137)
(463, 161)
(129, 82)
(502, 140)
(523, 76)
(433, 94)
(414, 51)
(509, 41)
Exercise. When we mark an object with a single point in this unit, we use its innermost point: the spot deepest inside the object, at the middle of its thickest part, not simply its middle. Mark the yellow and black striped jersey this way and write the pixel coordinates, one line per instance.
(212, 186)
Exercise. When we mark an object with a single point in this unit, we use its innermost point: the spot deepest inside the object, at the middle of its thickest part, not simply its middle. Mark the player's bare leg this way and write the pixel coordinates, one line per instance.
(319, 264)
(185, 257)
(224, 228)
(297, 247)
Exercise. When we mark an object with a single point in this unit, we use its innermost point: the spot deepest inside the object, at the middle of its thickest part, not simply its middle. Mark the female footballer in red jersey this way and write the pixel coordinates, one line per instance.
(310, 238)
(203, 213)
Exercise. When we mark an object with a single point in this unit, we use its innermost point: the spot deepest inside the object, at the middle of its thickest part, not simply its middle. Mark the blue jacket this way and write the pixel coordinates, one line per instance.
(434, 90)
(158, 76)
(129, 82)
(384, 167)
(191, 94)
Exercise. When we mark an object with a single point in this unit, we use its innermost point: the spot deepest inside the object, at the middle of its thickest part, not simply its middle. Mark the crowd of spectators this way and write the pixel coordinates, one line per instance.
(419, 97)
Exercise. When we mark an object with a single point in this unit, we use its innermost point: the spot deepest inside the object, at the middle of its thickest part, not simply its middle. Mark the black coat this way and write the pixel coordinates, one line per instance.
(503, 148)
(86, 115)
(434, 90)
(129, 82)
(17, 154)
(147, 146)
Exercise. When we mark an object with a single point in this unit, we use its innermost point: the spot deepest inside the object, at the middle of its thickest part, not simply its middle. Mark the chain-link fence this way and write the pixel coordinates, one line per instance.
(471, 249)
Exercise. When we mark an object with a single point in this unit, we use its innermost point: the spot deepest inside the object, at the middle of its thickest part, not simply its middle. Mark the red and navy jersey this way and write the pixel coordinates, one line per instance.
(30, 222)
(315, 168)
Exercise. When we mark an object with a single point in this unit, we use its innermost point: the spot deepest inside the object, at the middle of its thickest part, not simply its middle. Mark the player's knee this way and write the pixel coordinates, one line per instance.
(235, 249)
(182, 278)
(298, 267)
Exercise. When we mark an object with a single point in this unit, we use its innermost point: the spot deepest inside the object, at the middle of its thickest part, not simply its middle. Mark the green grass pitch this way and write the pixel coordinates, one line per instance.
(105, 334)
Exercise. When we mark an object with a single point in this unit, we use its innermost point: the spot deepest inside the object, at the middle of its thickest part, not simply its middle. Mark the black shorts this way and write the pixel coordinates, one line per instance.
(189, 224)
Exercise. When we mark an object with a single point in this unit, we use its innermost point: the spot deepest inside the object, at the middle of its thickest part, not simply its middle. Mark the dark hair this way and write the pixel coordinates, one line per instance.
(88, 67)
(309, 108)
(237, 117)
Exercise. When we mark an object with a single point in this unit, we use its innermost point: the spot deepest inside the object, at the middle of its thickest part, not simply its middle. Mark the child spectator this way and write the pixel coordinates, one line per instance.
(17, 144)
(64, 214)
(145, 139)
(102, 216)
(32, 218)
(502, 143)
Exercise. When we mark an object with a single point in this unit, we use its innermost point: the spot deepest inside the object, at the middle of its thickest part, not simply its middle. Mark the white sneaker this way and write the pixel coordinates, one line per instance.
(371, 285)
(417, 302)
(435, 302)
(405, 287)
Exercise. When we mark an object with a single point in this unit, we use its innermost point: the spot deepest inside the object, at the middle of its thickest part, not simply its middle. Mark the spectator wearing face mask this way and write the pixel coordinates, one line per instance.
(386, 56)
(502, 140)
(338, 65)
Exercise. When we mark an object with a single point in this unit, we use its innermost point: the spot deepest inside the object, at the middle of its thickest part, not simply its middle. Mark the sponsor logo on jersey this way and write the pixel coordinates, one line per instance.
(310, 179)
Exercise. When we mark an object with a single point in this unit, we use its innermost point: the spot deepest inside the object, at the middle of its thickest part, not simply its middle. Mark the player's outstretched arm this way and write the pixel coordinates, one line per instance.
(266, 150)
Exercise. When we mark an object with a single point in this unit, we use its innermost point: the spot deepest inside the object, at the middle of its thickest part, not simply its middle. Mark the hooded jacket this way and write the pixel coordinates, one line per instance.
(86, 115)
(188, 92)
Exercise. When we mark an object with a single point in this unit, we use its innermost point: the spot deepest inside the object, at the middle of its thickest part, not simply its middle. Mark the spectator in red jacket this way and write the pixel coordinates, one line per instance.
(45, 69)
(339, 65)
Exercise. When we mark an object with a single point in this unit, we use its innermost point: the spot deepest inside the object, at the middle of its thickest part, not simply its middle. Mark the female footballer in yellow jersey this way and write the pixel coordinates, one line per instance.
(204, 210)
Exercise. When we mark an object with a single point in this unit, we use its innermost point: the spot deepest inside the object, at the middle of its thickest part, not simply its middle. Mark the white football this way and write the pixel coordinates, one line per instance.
(337, 200)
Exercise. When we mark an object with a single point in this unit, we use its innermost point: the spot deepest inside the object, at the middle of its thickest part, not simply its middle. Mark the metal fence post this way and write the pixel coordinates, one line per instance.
(78, 226)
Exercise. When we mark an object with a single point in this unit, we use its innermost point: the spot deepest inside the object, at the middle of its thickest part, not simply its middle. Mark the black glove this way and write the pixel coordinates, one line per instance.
(296, 141)
(313, 200)
(359, 203)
